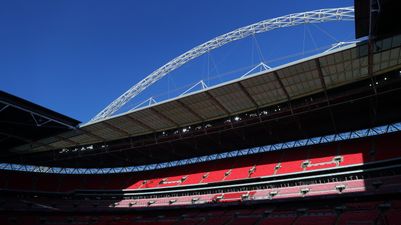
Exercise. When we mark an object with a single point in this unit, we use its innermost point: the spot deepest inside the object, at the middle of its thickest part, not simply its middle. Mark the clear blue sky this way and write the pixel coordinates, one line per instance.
(75, 57)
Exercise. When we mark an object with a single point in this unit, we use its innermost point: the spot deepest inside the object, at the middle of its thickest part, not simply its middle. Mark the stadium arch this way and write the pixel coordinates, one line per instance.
(315, 16)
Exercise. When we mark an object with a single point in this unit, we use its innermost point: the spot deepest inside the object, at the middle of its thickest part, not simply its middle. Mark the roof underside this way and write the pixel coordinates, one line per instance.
(288, 82)
(25, 123)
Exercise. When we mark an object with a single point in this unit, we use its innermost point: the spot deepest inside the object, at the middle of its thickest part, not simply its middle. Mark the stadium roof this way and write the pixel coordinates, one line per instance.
(291, 81)
(25, 123)
(376, 18)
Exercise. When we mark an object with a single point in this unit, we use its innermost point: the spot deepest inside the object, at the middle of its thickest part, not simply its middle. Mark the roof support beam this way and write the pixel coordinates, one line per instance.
(243, 89)
(164, 117)
(281, 85)
(320, 73)
(285, 92)
(37, 114)
(140, 123)
(374, 102)
(289, 102)
(190, 110)
(323, 83)
(217, 103)
(370, 47)
(4, 107)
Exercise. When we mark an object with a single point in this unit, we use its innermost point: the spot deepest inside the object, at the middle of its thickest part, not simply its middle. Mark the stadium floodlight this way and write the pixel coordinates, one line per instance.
(316, 16)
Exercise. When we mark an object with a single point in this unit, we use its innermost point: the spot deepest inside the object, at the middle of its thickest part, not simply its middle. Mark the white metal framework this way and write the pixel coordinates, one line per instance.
(316, 16)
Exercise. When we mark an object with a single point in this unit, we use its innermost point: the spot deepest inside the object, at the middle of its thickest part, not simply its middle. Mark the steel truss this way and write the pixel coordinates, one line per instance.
(391, 128)
(316, 16)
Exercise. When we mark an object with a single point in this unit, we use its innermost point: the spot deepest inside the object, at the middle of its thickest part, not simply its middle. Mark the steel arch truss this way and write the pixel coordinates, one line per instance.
(316, 16)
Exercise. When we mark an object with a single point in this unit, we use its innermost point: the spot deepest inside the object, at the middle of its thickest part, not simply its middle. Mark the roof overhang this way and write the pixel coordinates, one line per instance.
(25, 123)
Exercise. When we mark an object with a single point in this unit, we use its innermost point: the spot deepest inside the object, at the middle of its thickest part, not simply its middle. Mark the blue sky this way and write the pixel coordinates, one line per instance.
(75, 57)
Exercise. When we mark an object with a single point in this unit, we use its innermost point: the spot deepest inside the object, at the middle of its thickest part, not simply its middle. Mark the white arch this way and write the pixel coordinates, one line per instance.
(316, 16)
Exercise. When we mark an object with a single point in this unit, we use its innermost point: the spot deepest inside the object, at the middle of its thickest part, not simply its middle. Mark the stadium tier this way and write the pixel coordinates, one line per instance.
(368, 166)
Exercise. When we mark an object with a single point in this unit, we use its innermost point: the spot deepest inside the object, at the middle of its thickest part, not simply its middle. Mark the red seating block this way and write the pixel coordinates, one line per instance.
(321, 157)
(266, 163)
(292, 160)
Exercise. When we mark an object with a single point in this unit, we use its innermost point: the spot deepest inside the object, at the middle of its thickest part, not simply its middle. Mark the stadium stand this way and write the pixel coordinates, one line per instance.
(296, 161)
(344, 181)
